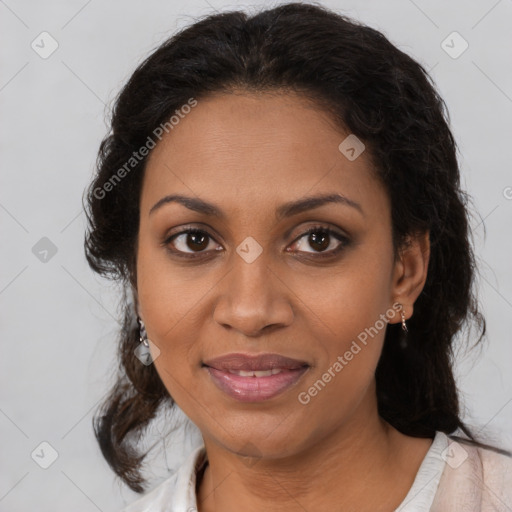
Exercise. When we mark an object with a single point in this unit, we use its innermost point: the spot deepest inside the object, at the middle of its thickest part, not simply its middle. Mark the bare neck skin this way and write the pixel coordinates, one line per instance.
(366, 465)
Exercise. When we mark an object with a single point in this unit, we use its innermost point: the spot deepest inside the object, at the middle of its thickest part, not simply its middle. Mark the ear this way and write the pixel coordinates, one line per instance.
(410, 272)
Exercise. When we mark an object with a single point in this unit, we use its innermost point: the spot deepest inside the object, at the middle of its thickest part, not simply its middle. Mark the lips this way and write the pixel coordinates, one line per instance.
(235, 363)
(255, 378)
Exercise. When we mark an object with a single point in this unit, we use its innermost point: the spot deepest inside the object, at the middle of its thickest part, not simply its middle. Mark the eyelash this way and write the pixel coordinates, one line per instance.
(344, 242)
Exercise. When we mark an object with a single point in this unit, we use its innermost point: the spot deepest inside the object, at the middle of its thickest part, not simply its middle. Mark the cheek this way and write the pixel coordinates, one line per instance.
(170, 295)
(353, 308)
(348, 299)
(169, 305)
(348, 350)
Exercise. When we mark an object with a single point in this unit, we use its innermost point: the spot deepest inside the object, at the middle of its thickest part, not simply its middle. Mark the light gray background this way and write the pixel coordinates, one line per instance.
(59, 320)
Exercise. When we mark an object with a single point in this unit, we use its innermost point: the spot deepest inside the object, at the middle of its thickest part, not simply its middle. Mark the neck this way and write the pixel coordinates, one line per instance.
(357, 464)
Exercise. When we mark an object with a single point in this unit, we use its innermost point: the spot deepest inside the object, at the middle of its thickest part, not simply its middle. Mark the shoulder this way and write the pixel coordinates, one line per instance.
(176, 492)
(156, 499)
(496, 473)
(474, 477)
(492, 467)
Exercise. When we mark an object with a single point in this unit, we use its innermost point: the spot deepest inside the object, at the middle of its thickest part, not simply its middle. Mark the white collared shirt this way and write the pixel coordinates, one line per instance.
(453, 477)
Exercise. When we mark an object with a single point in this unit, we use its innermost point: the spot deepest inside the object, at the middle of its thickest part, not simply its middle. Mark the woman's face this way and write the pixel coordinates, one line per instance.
(253, 281)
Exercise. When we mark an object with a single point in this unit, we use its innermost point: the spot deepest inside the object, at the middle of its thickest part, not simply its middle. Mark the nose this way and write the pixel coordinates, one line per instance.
(253, 299)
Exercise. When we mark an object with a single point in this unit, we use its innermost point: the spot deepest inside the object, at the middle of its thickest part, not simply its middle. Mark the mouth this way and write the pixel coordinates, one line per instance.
(257, 378)
(236, 362)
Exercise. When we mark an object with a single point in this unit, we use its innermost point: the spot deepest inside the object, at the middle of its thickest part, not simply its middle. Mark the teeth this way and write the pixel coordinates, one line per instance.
(256, 373)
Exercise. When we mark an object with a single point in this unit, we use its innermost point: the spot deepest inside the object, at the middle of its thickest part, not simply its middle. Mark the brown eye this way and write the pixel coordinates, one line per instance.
(189, 241)
(196, 241)
(322, 240)
(319, 240)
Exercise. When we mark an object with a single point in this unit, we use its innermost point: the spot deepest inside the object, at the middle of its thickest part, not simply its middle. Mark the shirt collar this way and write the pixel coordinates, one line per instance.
(184, 496)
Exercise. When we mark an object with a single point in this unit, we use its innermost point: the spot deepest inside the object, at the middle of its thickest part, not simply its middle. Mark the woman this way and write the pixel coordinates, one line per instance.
(280, 198)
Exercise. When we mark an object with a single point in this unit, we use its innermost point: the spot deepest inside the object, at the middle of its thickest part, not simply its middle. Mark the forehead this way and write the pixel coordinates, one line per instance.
(244, 148)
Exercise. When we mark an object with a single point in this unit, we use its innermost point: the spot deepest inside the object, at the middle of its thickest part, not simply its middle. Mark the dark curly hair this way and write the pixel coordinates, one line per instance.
(371, 89)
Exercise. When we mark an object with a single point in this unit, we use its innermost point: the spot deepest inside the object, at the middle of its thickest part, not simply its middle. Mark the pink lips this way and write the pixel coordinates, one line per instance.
(254, 388)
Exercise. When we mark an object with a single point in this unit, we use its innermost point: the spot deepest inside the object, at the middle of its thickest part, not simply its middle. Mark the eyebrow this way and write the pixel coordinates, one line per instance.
(286, 210)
